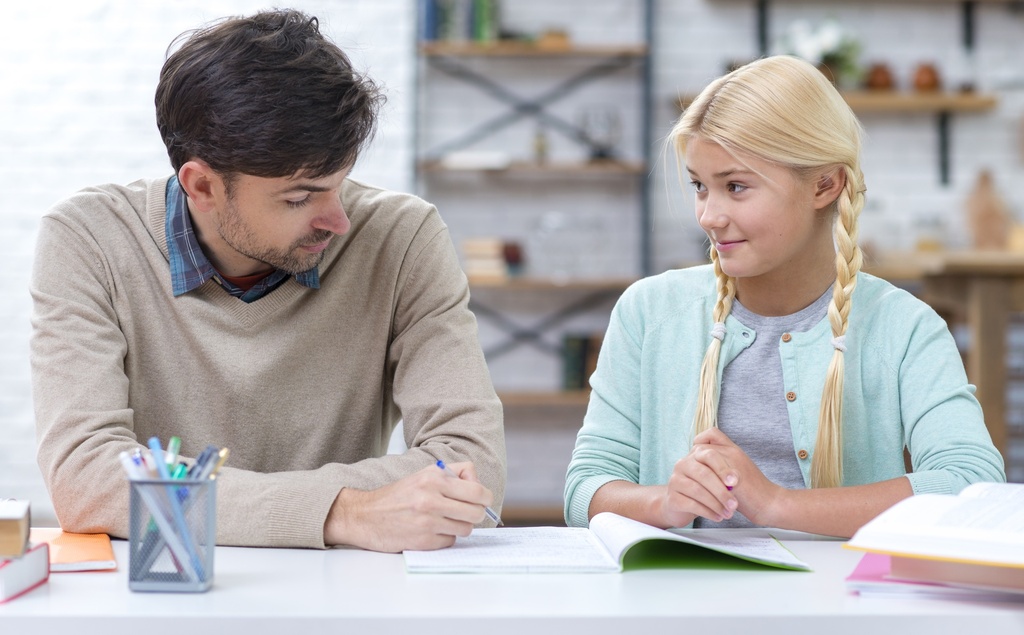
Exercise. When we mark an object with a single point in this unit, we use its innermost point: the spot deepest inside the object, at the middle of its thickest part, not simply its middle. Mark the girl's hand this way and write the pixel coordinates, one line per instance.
(756, 496)
(715, 480)
(701, 482)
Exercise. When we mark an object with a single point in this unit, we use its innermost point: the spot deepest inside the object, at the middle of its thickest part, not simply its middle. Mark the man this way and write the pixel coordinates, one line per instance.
(261, 300)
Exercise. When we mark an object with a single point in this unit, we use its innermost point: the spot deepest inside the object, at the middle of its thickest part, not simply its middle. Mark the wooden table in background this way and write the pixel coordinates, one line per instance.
(982, 288)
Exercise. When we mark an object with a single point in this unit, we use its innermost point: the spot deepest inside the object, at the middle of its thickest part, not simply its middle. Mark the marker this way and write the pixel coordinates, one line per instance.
(173, 447)
(487, 510)
(179, 472)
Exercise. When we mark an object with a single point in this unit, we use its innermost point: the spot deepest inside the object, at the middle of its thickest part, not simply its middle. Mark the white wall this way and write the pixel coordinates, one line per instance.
(77, 80)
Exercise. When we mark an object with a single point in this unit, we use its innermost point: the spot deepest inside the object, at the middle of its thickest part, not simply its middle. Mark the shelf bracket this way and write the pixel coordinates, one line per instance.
(762, 27)
(533, 335)
(520, 107)
(944, 118)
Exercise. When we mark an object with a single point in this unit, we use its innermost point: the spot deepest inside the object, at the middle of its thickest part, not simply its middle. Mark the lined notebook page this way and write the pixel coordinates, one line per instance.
(517, 550)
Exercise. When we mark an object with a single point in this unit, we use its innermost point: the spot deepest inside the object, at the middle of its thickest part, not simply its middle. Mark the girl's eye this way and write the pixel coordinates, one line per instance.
(698, 186)
(736, 188)
(301, 203)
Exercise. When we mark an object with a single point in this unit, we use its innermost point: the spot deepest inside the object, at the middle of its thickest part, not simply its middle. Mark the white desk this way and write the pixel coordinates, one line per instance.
(348, 591)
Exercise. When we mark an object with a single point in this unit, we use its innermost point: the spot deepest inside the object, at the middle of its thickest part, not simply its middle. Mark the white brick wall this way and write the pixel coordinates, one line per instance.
(76, 109)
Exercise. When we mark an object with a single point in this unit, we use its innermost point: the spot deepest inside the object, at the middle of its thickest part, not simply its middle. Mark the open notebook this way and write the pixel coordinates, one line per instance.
(611, 544)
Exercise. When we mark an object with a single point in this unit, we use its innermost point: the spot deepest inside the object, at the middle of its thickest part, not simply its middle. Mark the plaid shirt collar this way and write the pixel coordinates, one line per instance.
(191, 269)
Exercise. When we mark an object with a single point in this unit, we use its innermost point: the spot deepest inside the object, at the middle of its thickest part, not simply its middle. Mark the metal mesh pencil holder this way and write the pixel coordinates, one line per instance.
(172, 534)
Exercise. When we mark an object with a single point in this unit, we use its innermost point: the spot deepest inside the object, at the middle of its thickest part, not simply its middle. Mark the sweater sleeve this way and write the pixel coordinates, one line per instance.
(944, 427)
(80, 390)
(441, 383)
(608, 445)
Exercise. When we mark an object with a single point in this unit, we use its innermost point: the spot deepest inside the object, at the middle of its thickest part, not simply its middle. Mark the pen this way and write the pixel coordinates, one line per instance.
(200, 466)
(487, 510)
(222, 456)
(157, 452)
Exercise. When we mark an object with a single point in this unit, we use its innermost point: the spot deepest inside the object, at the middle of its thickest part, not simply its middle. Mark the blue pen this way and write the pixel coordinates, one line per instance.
(179, 517)
(487, 510)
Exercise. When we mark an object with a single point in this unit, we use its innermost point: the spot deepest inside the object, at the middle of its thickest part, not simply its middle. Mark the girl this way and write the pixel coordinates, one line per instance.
(779, 385)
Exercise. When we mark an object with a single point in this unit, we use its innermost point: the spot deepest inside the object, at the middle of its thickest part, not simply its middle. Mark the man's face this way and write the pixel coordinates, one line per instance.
(280, 222)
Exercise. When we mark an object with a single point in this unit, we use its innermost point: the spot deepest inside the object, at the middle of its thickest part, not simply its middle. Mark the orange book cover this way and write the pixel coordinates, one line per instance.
(76, 552)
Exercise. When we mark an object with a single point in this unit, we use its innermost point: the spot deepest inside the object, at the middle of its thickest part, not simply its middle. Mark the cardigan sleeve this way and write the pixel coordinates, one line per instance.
(608, 444)
(943, 424)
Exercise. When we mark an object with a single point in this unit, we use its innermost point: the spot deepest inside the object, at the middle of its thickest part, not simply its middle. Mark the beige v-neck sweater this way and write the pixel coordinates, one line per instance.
(303, 386)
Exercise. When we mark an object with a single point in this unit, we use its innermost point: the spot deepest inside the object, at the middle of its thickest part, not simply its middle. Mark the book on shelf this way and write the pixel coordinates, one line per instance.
(611, 544)
(874, 577)
(15, 520)
(579, 359)
(20, 575)
(76, 552)
(459, 20)
(975, 538)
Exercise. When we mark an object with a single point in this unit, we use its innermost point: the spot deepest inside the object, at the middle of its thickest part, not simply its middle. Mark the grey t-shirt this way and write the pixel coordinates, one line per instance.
(752, 405)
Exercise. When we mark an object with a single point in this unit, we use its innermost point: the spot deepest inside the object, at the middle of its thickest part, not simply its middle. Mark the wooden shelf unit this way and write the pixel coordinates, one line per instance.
(894, 101)
(511, 48)
(546, 284)
(586, 168)
(515, 515)
(891, 101)
(567, 398)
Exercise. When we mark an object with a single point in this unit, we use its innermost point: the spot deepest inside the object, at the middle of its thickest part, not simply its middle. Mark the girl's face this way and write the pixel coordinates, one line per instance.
(766, 222)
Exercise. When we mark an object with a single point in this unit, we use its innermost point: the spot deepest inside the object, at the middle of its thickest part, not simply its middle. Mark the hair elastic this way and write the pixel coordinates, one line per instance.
(839, 342)
(718, 331)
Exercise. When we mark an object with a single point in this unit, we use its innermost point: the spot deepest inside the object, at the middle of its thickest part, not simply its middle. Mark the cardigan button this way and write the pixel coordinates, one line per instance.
(786, 337)
(790, 396)
(802, 454)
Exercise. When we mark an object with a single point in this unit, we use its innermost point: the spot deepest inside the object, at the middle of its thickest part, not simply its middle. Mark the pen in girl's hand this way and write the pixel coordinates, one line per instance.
(487, 510)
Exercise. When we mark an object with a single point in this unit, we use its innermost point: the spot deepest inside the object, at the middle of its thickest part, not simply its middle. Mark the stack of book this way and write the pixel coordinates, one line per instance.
(484, 260)
(969, 546)
(23, 566)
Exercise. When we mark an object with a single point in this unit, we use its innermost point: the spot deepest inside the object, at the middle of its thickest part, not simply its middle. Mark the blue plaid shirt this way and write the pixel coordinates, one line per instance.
(191, 269)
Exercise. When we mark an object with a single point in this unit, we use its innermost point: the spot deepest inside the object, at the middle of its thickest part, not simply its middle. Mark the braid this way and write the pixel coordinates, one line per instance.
(827, 465)
(706, 416)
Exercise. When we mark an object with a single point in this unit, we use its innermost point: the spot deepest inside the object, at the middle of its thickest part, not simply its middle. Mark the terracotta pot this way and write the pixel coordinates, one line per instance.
(926, 78)
(879, 77)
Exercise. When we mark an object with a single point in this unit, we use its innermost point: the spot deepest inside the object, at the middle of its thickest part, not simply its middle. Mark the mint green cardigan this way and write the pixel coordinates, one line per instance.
(905, 385)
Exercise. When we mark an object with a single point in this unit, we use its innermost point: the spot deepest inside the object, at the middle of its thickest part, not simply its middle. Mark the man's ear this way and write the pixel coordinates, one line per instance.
(203, 186)
(828, 187)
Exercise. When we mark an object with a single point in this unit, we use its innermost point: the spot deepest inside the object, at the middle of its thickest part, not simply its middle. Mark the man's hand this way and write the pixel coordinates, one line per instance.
(425, 510)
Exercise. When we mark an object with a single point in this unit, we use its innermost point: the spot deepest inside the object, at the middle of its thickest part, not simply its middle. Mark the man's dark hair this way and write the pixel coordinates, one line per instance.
(266, 95)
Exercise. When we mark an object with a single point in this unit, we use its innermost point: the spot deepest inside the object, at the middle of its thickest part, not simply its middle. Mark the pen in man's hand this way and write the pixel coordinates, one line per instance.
(487, 510)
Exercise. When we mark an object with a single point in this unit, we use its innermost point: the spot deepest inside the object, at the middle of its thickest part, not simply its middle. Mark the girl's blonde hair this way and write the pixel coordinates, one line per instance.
(783, 110)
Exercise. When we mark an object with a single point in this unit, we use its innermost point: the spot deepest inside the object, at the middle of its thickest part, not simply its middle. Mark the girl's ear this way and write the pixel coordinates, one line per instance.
(828, 187)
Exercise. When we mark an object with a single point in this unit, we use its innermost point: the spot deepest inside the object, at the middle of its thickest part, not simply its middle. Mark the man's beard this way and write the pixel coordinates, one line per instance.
(240, 237)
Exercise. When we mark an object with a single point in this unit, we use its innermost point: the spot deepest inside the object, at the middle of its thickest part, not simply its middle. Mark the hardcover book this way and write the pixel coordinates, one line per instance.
(15, 519)
(18, 576)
